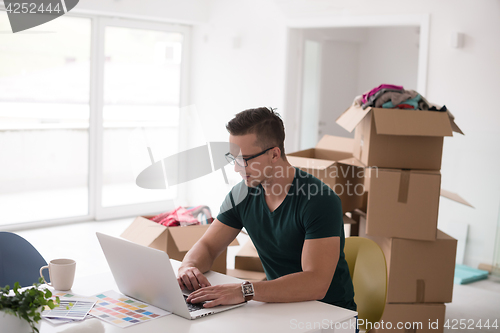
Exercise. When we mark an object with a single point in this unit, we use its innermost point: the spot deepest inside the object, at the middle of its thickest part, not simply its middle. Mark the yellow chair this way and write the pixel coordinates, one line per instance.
(368, 271)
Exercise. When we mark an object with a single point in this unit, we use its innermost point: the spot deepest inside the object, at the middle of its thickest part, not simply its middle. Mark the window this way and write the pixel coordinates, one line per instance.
(81, 101)
(44, 120)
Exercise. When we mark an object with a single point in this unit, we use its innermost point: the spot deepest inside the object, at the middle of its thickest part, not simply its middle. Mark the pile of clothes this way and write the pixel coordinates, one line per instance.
(391, 96)
(184, 216)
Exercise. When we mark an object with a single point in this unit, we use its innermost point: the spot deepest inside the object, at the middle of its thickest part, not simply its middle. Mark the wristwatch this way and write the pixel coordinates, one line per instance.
(247, 289)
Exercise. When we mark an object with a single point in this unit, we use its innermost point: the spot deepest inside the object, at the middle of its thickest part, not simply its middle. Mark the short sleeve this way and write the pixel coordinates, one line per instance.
(322, 216)
(229, 212)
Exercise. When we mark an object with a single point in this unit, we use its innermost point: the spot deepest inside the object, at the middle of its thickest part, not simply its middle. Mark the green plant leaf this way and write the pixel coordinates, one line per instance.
(27, 303)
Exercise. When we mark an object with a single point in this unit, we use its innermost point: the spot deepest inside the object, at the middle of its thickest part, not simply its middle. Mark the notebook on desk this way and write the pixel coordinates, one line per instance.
(146, 274)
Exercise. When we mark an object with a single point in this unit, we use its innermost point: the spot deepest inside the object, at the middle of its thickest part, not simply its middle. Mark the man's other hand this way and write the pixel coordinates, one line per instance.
(191, 278)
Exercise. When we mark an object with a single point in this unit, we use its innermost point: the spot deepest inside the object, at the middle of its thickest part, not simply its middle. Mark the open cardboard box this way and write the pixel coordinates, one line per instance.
(402, 139)
(418, 271)
(175, 241)
(325, 163)
(420, 318)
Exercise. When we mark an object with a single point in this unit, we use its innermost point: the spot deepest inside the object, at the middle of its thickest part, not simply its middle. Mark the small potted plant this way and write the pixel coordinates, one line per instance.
(24, 306)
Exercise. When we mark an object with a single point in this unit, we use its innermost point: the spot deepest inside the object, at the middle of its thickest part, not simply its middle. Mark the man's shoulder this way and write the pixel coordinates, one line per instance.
(306, 179)
(312, 192)
(241, 192)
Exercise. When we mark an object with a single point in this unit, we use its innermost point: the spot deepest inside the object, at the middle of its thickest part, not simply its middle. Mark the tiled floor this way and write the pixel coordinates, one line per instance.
(472, 302)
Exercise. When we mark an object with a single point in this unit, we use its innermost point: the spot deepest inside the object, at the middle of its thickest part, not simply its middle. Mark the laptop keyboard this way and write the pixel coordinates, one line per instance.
(194, 307)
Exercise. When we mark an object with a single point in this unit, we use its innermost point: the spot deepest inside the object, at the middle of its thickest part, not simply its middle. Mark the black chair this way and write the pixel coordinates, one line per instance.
(19, 261)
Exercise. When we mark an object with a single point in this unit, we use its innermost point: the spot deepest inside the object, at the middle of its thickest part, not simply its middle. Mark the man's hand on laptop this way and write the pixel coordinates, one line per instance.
(191, 278)
(223, 294)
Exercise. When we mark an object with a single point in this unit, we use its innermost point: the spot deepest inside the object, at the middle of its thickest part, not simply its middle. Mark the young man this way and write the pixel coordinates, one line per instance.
(293, 219)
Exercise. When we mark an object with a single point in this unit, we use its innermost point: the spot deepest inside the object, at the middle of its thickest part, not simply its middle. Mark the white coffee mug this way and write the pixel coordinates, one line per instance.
(62, 273)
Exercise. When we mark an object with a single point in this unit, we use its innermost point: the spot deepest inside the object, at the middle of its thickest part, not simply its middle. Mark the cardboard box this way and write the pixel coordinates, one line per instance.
(411, 318)
(176, 241)
(402, 203)
(351, 225)
(402, 139)
(251, 276)
(325, 162)
(418, 271)
(247, 258)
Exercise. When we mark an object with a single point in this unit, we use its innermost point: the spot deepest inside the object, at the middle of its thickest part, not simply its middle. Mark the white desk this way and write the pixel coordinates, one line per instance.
(255, 316)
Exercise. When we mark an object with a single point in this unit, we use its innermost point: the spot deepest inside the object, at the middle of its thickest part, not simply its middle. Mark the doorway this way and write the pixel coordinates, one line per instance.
(351, 58)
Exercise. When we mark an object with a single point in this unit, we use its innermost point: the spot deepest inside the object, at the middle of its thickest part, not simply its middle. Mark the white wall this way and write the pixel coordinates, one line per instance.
(185, 11)
(339, 84)
(389, 55)
(238, 63)
(357, 59)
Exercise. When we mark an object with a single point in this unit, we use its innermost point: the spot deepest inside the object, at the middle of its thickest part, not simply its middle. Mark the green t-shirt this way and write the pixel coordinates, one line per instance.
(310, 210)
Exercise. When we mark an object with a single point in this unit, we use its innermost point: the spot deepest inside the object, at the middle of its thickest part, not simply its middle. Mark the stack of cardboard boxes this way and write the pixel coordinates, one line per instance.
(388, 177)
(401, 153)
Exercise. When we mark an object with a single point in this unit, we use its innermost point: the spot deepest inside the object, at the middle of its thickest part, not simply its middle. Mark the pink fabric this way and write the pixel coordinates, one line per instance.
(365, 97)
(177, 217)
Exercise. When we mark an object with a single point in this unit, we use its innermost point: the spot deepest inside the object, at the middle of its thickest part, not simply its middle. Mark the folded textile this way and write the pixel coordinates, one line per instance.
(373, 98)
(396, 97)
(367, 95)
(411, 103)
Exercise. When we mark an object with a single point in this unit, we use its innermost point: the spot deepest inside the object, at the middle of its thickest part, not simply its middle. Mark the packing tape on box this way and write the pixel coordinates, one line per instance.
(420, 291)
(404, 186)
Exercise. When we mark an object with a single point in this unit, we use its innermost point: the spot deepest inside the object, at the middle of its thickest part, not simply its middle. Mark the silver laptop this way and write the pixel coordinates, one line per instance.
(147, 275)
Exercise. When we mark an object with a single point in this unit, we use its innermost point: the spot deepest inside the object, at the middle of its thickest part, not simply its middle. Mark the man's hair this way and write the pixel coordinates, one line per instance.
(265, 123)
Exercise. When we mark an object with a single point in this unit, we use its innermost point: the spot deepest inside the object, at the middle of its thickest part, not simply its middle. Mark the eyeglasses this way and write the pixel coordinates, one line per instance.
(243, 161)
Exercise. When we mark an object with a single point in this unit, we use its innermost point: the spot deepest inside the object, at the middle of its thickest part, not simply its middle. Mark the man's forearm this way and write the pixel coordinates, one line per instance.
(296, 287)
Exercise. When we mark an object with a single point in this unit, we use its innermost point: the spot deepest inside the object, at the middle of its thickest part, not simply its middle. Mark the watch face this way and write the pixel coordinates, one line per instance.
(248, 289)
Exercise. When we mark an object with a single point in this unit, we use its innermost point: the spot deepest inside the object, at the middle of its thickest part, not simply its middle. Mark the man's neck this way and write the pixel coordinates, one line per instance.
(277, 186)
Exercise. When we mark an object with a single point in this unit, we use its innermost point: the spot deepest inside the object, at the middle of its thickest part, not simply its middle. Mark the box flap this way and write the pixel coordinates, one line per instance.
(336, 143)
(186, 237)
(309, 163)
(143, 231)
(348, 220)
(353, 161)
(415, 122)
(455, 197)
(352, 117)
(454, 126)
(444, 236)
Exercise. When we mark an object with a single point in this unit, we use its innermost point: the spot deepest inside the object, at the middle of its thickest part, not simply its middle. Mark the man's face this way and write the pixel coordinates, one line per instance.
(258, 168)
